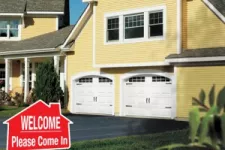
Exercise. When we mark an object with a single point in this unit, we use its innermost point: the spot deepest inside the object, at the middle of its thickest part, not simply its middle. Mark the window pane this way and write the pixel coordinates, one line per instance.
(13, 32)
(3, 24)
(113, 35)
(137, 32)
(14, 24)
(3, 32)
(156, 30)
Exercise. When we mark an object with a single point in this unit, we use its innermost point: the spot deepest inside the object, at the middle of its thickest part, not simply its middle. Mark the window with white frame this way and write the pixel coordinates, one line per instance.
(9, 28)
(2, 75)
(156, 24)
(136, 25)
(113, 29)
(30, 75)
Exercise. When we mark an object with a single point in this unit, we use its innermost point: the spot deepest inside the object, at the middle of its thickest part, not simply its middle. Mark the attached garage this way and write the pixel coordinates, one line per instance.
(93, 94)
(148, 94)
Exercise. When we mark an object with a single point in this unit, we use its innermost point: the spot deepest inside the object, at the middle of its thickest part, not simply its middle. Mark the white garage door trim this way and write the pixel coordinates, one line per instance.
(172, 76)
(85, 74)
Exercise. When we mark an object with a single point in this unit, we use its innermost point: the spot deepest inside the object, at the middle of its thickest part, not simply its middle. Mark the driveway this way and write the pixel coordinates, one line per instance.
(98, 127)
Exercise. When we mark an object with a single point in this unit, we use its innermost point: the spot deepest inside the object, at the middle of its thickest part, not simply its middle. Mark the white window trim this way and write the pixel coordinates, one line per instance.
(19, 30)
(146, 37)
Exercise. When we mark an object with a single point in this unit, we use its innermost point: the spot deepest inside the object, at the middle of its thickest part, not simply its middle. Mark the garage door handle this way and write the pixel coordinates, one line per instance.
(128, 83)
(110, 105)
(148, 101)
(128, 105)
(79, 104)
(168, 107)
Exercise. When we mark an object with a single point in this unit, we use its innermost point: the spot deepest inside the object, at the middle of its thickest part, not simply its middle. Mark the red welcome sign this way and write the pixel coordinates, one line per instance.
(39, 126)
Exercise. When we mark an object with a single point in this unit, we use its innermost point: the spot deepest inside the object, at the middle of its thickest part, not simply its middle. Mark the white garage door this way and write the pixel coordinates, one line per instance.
(94, 95)
(148, 96)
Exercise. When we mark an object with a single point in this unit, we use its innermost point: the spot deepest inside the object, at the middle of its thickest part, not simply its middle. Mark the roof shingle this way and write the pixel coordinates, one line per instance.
(45, 41)
(219, 5)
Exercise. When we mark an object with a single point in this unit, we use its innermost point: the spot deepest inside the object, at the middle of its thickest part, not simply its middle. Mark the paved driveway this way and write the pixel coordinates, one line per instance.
(98, 127)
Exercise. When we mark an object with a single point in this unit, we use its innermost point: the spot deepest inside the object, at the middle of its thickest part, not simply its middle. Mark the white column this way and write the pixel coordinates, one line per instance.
(26, 85)
(179, 26)
(62, 77)
(33, 78)
(56, 63)
(7, 74)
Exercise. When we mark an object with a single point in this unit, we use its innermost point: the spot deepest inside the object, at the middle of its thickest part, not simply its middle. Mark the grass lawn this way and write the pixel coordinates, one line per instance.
(140, 142)
(9, 111)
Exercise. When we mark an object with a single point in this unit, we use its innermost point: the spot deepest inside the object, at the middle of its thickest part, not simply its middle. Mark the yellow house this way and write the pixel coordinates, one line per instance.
(132, 58)
(30, 32)
(144, 58)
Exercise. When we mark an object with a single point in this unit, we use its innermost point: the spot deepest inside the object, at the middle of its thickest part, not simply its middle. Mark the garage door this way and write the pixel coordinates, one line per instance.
(94, 95)
(148, 96)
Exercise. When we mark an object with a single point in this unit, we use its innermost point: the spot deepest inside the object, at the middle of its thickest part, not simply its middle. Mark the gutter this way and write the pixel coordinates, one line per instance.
(33, 51)
(196, 59)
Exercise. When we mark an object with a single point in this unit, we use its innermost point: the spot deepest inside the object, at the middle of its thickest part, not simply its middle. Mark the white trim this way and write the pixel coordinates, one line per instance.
(145, 72)
(11, 14)
(174, 94)
(65, 80)
(29, 51)
(21, 74)
(7, 75)
(57, 23)
(44, 13)
(10, 78)
(222, 17)
(33, 75)
(76, 27)
(94, 35)
(94, 73)
(146, 37)
(197, 59)
(26, 82)
(179, 26)
(41, 55)
(159, 63)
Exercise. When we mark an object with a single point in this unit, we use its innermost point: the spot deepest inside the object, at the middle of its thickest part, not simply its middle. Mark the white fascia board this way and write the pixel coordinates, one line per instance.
(198, 59)
(29, 51)
(89, 1)
(131, 65)
(11, 14)
(222, 17)
(76, 27)
(44, 13)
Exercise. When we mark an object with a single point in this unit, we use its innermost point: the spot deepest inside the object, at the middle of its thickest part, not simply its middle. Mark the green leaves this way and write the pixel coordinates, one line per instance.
(212, 96)
(202, 96)
(221, 99)
(223, 128)
(194, 122)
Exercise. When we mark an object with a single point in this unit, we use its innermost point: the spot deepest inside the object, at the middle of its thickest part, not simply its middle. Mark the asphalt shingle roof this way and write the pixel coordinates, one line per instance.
(219, 5)
(21, 6)
(202, 52)
(45, 41)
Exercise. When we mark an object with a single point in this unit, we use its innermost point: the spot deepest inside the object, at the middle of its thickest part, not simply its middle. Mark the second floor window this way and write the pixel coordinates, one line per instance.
(113, 29)
(134, 26)
(156, 24)
(9, 29)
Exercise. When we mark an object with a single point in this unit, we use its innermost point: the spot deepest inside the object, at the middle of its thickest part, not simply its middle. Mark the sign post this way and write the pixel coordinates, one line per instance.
(39, 126)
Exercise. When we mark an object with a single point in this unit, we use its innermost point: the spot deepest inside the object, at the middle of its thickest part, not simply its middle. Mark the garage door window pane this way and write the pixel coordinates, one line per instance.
(86, 80)
(134, 26)
(137, 79)
(104, 80)
(160, 79)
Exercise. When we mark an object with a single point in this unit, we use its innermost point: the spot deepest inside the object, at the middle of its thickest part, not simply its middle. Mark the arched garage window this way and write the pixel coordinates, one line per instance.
(160, 79)
(104, 80)
(85, 80)
(137, 79)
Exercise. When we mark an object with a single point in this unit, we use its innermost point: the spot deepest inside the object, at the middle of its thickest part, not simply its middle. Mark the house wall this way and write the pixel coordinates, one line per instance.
(80, 60)
(190, 81)
(35, 26)
(138, 52)
(205, 29)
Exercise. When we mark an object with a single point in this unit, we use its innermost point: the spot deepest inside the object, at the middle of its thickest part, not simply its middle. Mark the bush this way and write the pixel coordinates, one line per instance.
(6, 99)
(19, 99)
(47, 85)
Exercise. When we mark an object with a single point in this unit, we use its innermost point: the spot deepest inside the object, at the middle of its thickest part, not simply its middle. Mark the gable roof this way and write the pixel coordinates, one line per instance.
(43, 43)
(23, 6)
(217, 6)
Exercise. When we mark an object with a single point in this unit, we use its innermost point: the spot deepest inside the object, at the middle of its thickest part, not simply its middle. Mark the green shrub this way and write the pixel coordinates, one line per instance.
(6, 99)
(19, 99)
(47, 85)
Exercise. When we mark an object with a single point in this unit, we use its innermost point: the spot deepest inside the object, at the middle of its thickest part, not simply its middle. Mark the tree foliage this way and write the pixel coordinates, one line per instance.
(47, 85)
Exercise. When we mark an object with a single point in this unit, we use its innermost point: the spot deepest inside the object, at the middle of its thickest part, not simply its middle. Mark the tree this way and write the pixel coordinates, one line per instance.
(47, 85)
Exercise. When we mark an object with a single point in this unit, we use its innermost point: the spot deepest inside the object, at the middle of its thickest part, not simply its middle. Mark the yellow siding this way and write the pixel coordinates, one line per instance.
(136, 52)
(16, 87)
(184, 24)
(205, 29)
(35, 26)
(190, 81)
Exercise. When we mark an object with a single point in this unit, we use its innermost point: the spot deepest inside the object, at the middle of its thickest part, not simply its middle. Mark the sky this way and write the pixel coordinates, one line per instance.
(76, 9)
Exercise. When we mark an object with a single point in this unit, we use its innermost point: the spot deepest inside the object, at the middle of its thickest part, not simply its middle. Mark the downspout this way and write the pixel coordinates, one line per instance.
(179, 26)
